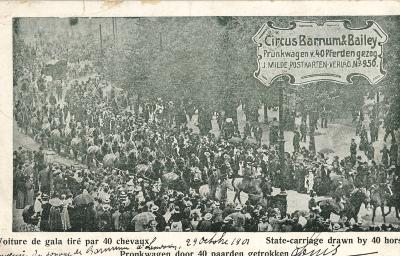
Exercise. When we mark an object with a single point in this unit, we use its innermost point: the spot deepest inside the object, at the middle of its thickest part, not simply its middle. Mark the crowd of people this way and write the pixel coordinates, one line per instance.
(142, 169)
(75, 198)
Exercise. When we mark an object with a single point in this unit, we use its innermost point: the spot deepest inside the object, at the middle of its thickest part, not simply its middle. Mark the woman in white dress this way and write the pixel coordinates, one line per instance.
(309, 183)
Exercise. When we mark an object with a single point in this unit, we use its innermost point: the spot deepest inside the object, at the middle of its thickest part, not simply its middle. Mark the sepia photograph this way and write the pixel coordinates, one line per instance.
(206, 124)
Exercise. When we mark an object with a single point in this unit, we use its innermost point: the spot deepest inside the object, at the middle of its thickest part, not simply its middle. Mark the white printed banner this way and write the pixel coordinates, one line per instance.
(308, 52)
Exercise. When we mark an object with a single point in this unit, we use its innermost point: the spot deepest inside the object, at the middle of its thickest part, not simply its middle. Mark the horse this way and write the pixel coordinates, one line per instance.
(172, 180)
(350, 208)
(206, 191)
(353, 204)
(394, 201)
(144, 170)
(380, 196)
(251, 186)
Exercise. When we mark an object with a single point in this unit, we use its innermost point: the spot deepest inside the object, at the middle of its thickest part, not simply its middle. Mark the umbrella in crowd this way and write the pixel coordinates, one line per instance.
(171, 176)
(55, 202)
(142, 219)
(104, 196)
(83, 199)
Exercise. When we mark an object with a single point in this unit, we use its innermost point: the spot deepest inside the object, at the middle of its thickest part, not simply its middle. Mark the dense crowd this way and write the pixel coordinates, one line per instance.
(143, 169)
(93, 200)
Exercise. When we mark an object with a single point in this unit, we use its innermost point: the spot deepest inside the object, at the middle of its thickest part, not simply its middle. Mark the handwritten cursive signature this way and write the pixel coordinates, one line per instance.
(312, 250)
(94, 251)
(153, 246)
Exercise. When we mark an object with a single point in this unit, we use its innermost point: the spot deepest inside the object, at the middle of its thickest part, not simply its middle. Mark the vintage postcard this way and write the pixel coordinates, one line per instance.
(265, 127)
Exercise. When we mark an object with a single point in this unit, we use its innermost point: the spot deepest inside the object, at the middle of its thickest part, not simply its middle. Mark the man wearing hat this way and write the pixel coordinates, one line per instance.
(239, 219)
(205, 161)
(339, 193)
(116, 219)
(217, 212)
(161, 223)
(393, 152)
(277, 219)
(314, 223)
(213, 181)
(309, 183)
(39, 159)
(312, 202)
(45, 216)
(205, 225)
(188, 208)
(296, 141)
(266, 186)
(227, 225)
(263, 225)
(45, 177)
(123, 199)
(353, 151)
(104, 220)
(176, 220)
(385, 156)
(252, 219)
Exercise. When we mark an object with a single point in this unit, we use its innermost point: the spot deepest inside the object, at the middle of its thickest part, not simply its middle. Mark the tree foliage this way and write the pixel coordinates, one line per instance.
(208, 60)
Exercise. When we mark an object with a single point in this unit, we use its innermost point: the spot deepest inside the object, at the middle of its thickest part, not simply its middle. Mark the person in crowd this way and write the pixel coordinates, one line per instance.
(258, 134)
(227, 226)
(385, 156)
(273, 132)
(373, 130)
(371, 152)
(393, 152)
(324, 118)
(353, 151)
(20, 180)
(205, 225)
(264, 226)
(303, 130)
(296, 141)
(137, 168)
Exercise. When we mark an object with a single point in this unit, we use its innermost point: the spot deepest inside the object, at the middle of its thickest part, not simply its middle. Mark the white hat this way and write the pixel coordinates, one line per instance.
(228, 219)
(208, 216)
(154, 208)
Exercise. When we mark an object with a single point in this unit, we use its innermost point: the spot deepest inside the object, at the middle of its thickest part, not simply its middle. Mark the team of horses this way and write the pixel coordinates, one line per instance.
(258, 190)
(376, 197)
